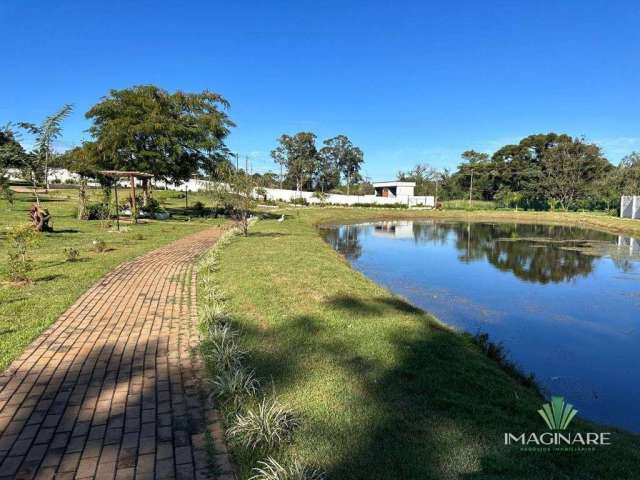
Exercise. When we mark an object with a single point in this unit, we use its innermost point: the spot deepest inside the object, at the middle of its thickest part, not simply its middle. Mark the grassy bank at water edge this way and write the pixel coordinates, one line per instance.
(383, 390)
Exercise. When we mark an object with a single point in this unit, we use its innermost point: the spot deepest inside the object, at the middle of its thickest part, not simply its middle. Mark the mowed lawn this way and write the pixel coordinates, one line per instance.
(28, 309)
(384, 391)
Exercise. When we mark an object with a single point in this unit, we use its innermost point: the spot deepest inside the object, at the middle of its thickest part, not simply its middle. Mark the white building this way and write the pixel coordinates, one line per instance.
(394, 189)
(630, 206)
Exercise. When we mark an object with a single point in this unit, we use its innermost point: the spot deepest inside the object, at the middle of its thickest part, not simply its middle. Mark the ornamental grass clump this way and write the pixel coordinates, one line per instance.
(211, 291)
(224, 351)
(216, 332)
(235, 384)
(209, 264)
(267, 426)
(270, 469)
(212, 313)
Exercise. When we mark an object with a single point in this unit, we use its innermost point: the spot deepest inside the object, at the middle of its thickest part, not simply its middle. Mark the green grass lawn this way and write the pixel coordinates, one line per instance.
(383, 389)
(27, 310)
(465, 205)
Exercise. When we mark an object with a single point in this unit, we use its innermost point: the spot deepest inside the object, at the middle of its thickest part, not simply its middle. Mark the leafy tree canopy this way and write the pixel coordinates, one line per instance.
(297, 154)
(171, 135)
(12, 155)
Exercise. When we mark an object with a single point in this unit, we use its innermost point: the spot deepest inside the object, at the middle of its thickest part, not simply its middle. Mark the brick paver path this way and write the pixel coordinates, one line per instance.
(111, 389)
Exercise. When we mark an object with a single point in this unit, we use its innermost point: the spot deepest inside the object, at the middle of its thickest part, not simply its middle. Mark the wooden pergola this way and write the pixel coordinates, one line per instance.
(132, 176)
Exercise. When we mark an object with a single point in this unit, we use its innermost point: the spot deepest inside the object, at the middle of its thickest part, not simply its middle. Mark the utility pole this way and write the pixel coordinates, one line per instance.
(281, 176)
(246, 164)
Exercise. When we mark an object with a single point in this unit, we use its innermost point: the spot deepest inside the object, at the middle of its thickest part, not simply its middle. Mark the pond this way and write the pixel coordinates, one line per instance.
(564, 301)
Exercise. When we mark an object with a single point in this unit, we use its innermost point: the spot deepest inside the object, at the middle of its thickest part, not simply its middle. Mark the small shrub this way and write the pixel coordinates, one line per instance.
(19, 239)
(234, 384)
(6, 192)
(198, 209)
(271, 424)
(153, 205)
(18, 268)
(96, 211)
(100, 246)
(270, 469)
(71, 254)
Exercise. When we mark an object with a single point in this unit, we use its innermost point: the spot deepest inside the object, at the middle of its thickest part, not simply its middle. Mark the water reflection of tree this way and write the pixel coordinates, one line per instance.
(345, 240)
(534, 253)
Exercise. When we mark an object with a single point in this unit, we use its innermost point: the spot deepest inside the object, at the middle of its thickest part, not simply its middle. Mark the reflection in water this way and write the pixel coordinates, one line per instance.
(345, 240)
(563, 300)
(535, 253)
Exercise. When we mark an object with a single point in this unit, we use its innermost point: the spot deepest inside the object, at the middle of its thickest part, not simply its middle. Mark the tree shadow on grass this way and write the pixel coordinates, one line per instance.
(268, 234)
(432, 406)
(48, 278)
(63, 231)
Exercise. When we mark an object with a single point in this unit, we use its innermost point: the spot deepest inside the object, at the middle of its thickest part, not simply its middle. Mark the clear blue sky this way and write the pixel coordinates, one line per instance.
(408, 82)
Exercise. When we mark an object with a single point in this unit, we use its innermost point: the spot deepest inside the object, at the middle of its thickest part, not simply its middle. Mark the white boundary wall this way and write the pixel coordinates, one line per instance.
(630, 206)
(282, 195)
(277, 194)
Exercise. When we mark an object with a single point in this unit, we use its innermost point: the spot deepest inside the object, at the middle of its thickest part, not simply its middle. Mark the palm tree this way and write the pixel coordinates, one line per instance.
(45, 134)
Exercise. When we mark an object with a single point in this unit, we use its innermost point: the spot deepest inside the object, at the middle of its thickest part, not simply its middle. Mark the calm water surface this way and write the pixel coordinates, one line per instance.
(564, 301)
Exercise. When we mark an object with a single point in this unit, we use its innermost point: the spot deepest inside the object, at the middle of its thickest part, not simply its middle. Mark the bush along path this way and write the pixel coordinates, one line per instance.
(257, 422)
(112, 389)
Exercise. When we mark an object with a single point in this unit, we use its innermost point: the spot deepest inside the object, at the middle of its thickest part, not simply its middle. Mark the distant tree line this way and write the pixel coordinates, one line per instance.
(176, 136)
(312, 169)
(540, 172)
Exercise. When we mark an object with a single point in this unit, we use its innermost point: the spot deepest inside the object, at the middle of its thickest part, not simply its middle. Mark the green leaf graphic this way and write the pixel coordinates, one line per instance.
(557, 414)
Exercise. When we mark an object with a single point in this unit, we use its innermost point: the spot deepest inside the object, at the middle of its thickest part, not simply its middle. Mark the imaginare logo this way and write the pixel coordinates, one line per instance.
(557, 415)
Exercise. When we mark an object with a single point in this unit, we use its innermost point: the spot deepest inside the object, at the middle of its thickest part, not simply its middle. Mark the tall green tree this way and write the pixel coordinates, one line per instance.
(475, 175)
(170, 135)
(569, 170)
(327, 171)
(46, 133)
(346, 156)
(85, 161)
(629, 173)
(12, 155)
(297, 154)
(426, 178)
(518, 167)
(11, 152)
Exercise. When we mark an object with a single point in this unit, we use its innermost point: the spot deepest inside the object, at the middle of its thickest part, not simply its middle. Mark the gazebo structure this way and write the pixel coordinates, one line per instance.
(132, 176)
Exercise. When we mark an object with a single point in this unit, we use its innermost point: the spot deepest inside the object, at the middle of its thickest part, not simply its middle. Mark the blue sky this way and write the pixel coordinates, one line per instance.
(409, 82)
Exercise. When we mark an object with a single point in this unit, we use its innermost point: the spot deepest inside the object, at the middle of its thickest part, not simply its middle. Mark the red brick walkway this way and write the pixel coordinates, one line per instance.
(111, 389)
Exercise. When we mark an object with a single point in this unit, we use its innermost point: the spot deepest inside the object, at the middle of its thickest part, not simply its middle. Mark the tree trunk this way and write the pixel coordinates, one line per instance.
(82, 198)
(40, 218)
(46, 172)
(145, 192)
(35, 187)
